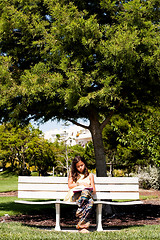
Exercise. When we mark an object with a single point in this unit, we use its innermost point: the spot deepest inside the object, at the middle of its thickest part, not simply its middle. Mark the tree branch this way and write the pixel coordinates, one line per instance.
(78, 124)
(106, 121)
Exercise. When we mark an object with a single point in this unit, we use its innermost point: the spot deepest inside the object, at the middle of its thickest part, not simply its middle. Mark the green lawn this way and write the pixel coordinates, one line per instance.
(8, 182)
(17, 231)
(7, 206)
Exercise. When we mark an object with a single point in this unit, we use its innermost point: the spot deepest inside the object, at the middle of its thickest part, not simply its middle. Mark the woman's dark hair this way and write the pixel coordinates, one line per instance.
(74, 173)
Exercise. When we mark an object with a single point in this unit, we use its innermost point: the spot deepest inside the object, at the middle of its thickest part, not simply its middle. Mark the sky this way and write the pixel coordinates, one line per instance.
(51, 125)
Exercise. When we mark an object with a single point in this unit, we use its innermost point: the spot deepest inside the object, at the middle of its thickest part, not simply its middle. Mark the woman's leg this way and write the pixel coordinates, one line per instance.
(85, 204)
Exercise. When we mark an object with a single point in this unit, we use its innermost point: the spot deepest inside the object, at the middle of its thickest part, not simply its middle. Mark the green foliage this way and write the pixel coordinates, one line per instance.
(118, 173)
(40, 153)
(133, 140)
(76, 150)
(23, 147)
(89, 156)
(87, 152)
(143, 138)
(77, 59)
(64, 155)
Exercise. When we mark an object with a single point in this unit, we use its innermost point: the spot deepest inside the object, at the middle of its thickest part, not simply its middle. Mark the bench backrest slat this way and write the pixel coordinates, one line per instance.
(63, 187)
(35, 179)
(57, 187)
(115, 180)
(61, 195)
(101, 180)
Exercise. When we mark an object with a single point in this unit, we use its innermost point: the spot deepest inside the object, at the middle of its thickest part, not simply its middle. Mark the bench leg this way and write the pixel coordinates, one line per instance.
(57, 227)
(99, 217)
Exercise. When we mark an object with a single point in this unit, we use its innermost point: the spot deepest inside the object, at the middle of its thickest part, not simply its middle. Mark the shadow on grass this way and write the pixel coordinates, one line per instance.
(43, 216)
(30, 211)
(8, 173)
(15, 208)
(72, 227)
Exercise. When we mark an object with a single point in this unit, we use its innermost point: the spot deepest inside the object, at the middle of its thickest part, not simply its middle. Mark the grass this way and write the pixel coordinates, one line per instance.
(7, 206)
(8, 182)
(18, 231)
(150, 197)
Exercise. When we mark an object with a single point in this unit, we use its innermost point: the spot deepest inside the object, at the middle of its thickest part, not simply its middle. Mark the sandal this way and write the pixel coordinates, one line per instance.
(83, 226)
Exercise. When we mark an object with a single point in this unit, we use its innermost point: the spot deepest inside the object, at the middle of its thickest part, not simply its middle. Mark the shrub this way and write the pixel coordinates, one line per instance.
(118, 173)
(149, 177)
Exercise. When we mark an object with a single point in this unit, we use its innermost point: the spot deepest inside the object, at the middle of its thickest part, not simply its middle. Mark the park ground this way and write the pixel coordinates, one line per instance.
(147, 213)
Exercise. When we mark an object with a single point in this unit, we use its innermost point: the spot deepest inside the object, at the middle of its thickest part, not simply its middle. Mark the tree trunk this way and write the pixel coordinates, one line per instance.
(96, 132)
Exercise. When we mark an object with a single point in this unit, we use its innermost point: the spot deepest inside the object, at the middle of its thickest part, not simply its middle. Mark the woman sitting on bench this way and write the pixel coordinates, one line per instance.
(81, 185)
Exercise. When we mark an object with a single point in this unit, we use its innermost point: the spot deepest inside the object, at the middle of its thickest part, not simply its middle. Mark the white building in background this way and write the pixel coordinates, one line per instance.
(72, 135)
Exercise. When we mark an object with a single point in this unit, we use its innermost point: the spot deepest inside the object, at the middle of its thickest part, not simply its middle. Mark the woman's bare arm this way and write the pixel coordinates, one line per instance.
(71, 184)
(91, 176)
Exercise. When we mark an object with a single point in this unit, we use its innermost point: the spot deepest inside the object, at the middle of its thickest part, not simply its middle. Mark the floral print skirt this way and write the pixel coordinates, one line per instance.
(85, 204)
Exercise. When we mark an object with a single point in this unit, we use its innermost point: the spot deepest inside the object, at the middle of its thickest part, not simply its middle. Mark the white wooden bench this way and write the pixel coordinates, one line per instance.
(56, 188)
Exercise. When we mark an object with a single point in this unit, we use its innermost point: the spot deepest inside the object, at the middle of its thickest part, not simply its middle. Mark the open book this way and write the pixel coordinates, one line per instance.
(80, 188)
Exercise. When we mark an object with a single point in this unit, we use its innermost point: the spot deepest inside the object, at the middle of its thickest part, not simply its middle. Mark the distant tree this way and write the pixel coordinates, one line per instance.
(76, 150)
(143, 139)
(78, 59)
(62, 160)
(86, 151)
(64, 155)
(41, 155)
(22, 148)
(13, 146)
(133, 140)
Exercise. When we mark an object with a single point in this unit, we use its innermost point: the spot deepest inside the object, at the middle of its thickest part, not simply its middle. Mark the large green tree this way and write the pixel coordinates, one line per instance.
(22, 148)
(133, 140)
(78, 59)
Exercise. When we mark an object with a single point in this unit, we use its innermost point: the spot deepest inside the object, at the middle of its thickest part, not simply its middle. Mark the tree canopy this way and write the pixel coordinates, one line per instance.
(22, 148)
(78, 59)
(133, 141)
